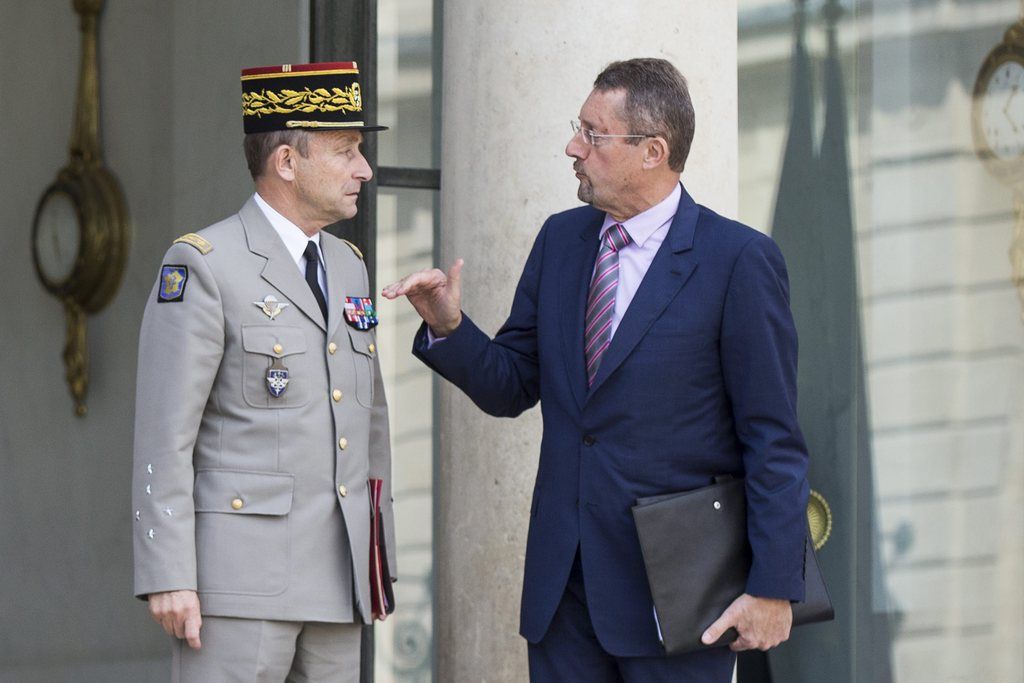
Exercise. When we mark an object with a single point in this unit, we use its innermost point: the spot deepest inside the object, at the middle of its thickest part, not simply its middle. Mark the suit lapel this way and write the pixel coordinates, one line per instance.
(337, 287)
(280, 270)
(668, 272)
(576, 268)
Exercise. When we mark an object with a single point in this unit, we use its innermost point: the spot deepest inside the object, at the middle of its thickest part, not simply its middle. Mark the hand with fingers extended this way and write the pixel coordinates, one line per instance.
(762, 623)
(435, 295)
(178, 613)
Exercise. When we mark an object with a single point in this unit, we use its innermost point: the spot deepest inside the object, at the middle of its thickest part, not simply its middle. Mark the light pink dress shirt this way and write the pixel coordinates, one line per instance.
(647, 231)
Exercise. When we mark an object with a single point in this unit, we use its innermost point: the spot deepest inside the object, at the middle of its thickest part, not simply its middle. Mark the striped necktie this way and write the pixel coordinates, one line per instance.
(597, 334)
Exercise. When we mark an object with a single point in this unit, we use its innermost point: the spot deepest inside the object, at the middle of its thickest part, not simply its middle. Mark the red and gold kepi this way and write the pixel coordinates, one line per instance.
(323, 96)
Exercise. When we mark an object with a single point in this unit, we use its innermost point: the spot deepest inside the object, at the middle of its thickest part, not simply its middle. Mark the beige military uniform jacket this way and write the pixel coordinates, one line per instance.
(258, 502)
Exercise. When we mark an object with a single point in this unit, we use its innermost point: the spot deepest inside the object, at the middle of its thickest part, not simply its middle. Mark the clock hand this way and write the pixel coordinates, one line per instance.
(1006, 108)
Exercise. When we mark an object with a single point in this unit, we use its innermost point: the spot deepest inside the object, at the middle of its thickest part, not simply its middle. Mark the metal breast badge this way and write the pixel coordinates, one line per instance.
(277, 378)
(271, 306)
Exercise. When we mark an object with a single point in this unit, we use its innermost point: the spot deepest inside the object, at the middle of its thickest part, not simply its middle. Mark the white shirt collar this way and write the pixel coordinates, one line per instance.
(294, 239)
(641, 226)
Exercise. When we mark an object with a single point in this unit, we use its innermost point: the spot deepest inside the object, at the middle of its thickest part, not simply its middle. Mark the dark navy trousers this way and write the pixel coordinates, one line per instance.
(570, 651)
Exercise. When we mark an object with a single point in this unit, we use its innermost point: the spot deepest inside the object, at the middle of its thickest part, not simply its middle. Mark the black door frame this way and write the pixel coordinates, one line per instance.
(342, 30)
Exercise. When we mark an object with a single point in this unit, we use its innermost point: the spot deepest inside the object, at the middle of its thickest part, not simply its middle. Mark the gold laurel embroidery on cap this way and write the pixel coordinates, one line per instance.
(204, 246)
(354, 248)
(307, 101)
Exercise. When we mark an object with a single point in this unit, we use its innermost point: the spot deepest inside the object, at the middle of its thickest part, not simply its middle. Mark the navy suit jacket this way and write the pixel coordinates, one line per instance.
(699, 381)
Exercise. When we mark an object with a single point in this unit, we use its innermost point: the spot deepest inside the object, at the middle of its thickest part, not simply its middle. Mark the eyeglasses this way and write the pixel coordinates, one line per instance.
(595, 139)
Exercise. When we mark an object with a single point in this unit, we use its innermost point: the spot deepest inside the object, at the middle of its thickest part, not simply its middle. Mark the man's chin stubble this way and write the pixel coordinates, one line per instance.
(585, 193)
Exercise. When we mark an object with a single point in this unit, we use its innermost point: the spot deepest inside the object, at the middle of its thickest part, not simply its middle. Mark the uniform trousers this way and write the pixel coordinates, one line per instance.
(570, 651)
(248, 650)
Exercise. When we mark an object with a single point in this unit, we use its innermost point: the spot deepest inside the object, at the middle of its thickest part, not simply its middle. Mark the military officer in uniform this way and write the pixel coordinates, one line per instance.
(261, 428)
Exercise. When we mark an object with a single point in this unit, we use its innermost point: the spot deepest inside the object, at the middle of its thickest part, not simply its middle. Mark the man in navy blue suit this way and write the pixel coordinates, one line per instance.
(658, 339)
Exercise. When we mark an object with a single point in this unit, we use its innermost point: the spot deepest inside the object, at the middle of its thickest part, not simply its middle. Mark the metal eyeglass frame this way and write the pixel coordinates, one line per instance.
(594, 139)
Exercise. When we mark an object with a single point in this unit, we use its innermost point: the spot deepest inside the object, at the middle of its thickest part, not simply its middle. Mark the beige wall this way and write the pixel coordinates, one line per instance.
(172, 135)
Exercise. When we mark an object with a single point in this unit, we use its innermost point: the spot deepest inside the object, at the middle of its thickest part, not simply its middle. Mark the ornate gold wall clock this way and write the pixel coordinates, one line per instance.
(997, 123)
(80, 231)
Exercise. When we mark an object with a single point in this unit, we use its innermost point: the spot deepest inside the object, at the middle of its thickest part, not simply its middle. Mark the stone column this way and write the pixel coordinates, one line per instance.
(514, 74)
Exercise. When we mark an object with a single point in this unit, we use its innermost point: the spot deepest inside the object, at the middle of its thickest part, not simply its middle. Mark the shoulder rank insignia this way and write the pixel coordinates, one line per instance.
(353, 248)
(359, 312)
(270, 306)
(203, 245)
(172, 284)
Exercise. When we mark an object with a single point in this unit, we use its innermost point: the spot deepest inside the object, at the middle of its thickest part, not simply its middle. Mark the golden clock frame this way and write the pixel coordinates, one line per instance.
(1008, 171)
(101, 213)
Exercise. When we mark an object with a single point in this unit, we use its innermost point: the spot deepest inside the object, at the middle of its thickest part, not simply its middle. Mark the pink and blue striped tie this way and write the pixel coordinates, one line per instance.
(597, 334)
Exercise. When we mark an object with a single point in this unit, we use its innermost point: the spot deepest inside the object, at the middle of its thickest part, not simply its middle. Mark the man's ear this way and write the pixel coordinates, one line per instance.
(282, 162)
(656, 152)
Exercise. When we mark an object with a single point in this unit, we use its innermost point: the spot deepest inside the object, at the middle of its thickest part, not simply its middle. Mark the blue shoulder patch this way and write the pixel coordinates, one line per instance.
(172, 284)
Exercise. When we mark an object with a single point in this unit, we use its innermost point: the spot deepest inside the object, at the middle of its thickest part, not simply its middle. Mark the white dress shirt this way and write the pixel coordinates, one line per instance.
(294, 240)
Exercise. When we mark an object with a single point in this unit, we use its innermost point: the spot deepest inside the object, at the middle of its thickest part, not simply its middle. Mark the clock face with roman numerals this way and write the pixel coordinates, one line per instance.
(1001, 116)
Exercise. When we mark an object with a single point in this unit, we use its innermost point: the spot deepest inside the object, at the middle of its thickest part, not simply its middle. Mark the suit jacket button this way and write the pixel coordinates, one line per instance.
(589, 440)
(342, 443)
(332, 348)
(237, 504)
(371, 348)
(278, 348)
(336, 395)
(342, 491)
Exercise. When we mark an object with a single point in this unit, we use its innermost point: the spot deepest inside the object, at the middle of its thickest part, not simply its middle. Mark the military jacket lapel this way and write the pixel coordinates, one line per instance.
(340, 283)
(280, 270)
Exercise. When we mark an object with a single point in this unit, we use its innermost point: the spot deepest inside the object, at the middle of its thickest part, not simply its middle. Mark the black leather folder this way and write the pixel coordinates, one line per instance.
(697, 557)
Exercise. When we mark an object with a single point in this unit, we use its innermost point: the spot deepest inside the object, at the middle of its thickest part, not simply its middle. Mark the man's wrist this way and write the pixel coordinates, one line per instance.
(446, 330)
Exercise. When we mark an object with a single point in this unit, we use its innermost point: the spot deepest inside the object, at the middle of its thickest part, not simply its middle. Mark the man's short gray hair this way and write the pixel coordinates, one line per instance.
(259, 146)
(657, 102)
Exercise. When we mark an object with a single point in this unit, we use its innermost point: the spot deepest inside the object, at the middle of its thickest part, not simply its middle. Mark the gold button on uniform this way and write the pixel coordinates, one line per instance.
(331, 348)
(237, 504)
(336, 395)
(278, 348)
(371, 348)
(342, 491)
(342, 443)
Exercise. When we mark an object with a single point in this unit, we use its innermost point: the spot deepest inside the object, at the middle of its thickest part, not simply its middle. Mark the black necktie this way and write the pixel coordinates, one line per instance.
(312, 255)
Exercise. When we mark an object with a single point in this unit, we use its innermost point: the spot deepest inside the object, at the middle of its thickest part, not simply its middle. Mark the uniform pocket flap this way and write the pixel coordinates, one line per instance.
(273, 340)
(243, 492)
(362, 341)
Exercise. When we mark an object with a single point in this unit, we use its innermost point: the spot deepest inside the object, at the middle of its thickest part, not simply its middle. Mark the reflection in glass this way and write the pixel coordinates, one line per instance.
(405, 229)
(406, 83)
(405, 243)
(57, 240)
(912, 346)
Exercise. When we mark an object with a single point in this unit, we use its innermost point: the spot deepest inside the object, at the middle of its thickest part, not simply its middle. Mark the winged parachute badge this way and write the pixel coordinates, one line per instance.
(270, 306)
